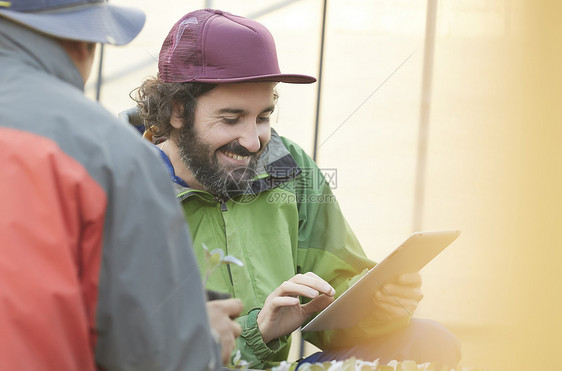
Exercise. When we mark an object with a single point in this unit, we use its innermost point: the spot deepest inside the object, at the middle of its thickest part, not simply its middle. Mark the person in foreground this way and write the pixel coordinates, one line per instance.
(259, 197)
(96, 266)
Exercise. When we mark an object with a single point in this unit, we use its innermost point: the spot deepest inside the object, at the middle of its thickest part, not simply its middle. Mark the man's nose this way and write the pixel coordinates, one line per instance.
(249, 137)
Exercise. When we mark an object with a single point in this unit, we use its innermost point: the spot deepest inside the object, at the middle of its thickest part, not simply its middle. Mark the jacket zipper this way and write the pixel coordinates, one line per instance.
(224, 208)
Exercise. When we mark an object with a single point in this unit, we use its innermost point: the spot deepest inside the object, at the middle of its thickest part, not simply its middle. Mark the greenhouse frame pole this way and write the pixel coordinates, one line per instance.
(425, 109)
(319, 89)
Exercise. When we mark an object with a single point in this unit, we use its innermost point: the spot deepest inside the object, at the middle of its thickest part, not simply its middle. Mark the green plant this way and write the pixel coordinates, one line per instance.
(215, 259)
(353, 364)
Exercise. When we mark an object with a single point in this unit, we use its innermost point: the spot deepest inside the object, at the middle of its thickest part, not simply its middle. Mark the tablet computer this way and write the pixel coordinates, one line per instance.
(356, 302)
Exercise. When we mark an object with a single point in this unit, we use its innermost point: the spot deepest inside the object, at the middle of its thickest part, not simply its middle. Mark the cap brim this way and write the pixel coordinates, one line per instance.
(101, 22)
(287, 78)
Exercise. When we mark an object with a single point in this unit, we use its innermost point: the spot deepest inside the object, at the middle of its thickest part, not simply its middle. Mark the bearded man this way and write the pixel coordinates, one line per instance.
(258, 196)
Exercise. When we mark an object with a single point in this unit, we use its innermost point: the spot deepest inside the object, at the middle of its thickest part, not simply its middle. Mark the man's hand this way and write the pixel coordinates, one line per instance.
(398, 299)
(221, 315)
(282, 312)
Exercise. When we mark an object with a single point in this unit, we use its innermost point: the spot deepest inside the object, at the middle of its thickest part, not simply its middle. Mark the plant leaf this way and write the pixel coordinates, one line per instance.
(231, 259)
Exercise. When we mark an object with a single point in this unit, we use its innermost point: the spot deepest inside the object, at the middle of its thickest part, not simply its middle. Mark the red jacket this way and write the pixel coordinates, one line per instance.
(96, 266)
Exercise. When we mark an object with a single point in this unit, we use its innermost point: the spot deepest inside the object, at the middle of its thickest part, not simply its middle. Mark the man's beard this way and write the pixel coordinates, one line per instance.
(203, 163)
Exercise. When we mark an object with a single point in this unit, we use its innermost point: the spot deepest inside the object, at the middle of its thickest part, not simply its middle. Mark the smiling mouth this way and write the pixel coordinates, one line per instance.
(235, 156)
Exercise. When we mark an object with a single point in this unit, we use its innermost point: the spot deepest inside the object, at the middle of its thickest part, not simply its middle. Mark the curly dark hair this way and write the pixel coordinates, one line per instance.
(155, 99)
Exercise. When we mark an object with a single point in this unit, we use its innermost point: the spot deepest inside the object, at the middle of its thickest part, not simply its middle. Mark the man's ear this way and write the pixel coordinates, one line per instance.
(176, 120)
(79, 51)
(82, 54)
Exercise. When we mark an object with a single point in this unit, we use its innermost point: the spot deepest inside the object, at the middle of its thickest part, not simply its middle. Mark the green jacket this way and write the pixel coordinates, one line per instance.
(291, 223)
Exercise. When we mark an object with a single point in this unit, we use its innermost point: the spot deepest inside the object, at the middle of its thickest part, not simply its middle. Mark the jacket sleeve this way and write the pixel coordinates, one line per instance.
(329, 248)
(250, 342)
(151, 312)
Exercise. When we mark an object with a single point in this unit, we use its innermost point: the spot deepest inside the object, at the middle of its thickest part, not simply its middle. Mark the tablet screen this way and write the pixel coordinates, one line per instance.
(355, 303)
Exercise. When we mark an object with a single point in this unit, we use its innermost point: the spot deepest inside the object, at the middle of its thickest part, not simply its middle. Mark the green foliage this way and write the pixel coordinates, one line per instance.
(215, 259)
(238, 363)
(353, 364)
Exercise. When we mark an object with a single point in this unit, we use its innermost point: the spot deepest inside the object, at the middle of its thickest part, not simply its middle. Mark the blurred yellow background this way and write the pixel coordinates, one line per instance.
(494, 148)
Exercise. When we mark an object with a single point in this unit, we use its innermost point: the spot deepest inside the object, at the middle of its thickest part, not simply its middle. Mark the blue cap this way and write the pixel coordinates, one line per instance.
(85, 20)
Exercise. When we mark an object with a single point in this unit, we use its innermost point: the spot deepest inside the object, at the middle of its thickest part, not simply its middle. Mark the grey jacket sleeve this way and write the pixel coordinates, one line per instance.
(151, 312)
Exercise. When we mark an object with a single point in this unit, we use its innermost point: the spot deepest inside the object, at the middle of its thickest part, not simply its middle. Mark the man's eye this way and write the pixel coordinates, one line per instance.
(263, 118)
(230, 120)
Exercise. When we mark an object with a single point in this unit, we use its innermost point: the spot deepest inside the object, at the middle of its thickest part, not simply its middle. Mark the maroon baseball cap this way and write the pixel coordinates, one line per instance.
(213, 46)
